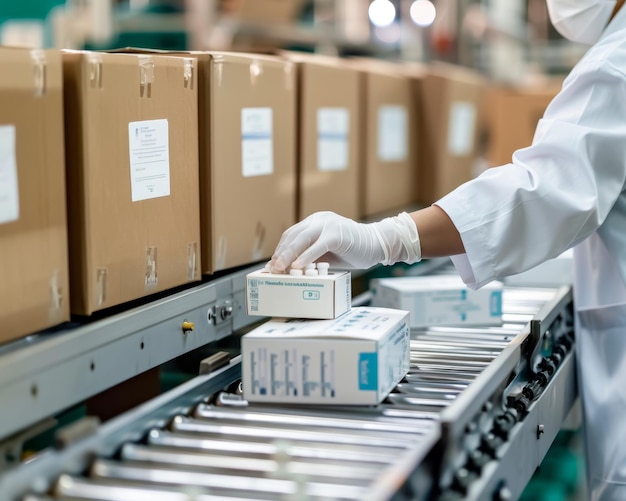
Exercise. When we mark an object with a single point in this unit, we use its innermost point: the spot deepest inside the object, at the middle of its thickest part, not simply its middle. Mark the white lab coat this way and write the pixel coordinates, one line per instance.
(568, 190)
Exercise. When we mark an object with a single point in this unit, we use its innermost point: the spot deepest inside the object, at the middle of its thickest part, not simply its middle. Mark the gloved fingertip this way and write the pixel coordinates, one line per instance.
(277, 265)
(300, 265)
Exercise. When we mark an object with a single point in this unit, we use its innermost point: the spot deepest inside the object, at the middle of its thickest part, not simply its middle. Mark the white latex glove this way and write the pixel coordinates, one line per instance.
(342, 242)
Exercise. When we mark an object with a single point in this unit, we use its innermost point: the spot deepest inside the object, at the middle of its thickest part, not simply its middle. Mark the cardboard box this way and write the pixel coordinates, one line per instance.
(267, 11)
(259, 19)
(247, 156)
(440, 300)
(356, 359)
(329, 117)
(512, 115)
(451, 117)
(247, 127)
(314, 297)
(34, 292)
(132, 143)
(389, 164)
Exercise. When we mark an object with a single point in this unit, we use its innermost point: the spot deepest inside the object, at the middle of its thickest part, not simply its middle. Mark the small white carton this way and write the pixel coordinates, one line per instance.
(313, 297)
(440, 300)
(356, 359)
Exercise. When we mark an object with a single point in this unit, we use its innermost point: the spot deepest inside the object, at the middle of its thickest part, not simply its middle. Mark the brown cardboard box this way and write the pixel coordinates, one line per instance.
(247, 156)
(247, 124)
(268, 11)
(328, 147)
(132, 163)
(512, 114)
(260, 19)
(389, 161)
(451, 118)
(33, 231)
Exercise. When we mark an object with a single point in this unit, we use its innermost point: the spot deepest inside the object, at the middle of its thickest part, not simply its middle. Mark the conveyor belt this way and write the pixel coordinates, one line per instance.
(439, 435)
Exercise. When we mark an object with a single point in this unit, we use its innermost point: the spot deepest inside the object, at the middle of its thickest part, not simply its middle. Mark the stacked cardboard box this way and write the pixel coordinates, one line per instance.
(389, 165)
(267, 11)
(247, 156)
(33, 233)
(451, 100)
(132, 163)
(512, 115)
(329, 117)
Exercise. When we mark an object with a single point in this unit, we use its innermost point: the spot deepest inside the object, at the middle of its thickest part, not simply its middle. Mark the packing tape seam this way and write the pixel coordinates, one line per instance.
(192, 260)
(151, 278)
(95, 70)
(56, 294)
(188, 72)
(101, 286)
(38, 57)
(146, 70)
(256, 70)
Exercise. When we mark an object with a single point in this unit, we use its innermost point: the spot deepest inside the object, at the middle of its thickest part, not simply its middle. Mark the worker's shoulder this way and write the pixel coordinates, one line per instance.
(609, 53)
(607, 57)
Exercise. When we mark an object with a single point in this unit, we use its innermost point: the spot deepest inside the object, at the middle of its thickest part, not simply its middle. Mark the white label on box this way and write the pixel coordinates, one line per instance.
(392, 133)
(9, 193)
(461, 128)
(257, 146)
(333, 125)
(148, 143)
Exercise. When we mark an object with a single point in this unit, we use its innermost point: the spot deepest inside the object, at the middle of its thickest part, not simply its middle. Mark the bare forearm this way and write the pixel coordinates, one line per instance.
(438, 235)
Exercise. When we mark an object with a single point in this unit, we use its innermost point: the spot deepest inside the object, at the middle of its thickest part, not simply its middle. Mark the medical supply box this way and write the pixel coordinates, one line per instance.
(356, 359)
(298, 296)
(440, 300)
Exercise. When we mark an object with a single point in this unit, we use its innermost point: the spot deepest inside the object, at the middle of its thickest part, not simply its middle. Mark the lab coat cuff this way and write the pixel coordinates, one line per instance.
(464, 269)
(476, 266)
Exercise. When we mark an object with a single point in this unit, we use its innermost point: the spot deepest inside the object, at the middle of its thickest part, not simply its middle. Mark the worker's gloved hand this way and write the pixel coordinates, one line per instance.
(344, 243)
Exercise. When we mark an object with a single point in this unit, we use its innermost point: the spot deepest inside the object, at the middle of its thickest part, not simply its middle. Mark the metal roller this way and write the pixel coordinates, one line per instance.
(293, 420)
(338, 471)
(70, 488)
(264, 433)
(240, 485)
(232, 448)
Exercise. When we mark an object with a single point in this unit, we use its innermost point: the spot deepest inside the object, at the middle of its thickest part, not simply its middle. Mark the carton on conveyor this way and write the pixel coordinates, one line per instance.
(356, 359)
(440, 300)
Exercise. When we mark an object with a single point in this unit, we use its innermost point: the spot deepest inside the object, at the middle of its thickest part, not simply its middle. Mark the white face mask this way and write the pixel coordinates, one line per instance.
(581, 21)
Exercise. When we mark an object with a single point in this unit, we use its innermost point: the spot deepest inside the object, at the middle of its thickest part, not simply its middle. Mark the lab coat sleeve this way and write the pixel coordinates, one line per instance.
(556, 192)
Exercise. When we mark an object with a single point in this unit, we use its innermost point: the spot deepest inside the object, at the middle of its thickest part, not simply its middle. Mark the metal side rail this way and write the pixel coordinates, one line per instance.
(501, 429)
(203, 441)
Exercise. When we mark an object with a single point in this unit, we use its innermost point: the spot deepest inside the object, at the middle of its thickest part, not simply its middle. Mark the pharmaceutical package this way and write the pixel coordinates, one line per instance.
(309, 294)
(440, 300)
(356, 359)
